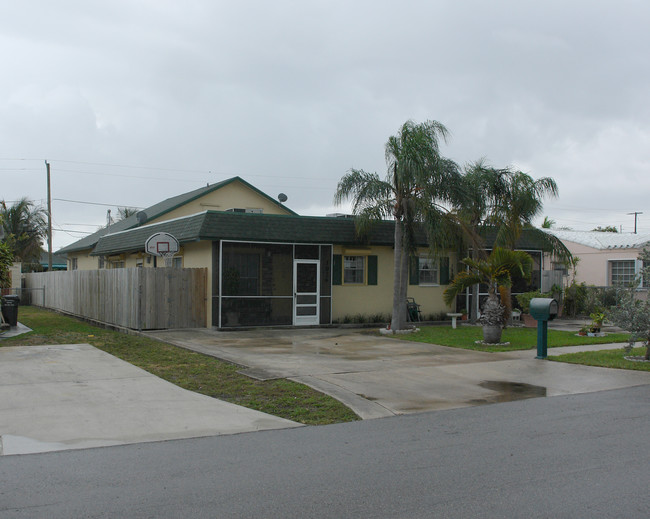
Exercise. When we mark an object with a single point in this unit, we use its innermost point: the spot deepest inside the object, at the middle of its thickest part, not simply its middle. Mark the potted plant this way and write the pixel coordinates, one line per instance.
(597, 320)
(497, 270)
(524, 302)
(463, 317)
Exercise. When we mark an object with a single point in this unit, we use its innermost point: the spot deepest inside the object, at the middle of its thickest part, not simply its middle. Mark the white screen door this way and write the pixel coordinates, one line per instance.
(306, 288)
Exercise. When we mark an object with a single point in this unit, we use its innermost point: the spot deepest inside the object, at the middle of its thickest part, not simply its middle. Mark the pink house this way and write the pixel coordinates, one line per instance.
(606, 258)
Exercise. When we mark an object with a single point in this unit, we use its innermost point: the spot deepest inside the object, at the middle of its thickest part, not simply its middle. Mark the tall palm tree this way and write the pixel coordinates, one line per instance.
(484, 188)
(521, 204)
(418, 184)
(25, 228)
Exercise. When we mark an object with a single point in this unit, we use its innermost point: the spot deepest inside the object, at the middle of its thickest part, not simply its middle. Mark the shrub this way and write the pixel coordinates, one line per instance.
(523, 300)
(575, 296)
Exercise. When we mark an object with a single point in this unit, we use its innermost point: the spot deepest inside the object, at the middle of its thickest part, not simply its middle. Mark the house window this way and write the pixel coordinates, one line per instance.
(102, 262)
(353, 270)
(622, 272)
(560, 267)
(139, 263)
(74, 263)
(177, 262)
(428, 271)
(117, 264)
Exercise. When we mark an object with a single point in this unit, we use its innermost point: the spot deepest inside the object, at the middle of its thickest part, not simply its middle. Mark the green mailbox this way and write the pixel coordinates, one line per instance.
(544, 309)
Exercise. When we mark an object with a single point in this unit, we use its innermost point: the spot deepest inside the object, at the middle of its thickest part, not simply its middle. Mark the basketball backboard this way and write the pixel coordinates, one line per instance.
(161, 244)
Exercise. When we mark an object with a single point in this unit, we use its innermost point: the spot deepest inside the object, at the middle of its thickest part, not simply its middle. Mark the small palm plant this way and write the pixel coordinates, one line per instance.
(497, 272)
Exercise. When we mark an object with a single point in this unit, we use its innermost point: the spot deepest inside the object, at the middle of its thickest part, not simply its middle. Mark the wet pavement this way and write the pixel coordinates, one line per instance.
(379, 376)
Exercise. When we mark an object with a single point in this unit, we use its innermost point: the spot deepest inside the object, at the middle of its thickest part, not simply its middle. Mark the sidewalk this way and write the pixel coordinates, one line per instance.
(76, 396)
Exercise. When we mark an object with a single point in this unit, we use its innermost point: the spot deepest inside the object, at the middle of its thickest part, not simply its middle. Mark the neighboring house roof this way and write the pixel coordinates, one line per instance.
(159, 209)
(58, 261)
(216, 225)
(603, 240)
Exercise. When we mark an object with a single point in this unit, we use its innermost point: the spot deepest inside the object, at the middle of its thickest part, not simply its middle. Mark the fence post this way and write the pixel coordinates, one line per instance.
(140, 275)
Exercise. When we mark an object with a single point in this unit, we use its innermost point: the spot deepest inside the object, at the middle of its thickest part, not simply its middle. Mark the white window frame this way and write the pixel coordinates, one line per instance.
(424, 260)
(363, 269)
(617, 263)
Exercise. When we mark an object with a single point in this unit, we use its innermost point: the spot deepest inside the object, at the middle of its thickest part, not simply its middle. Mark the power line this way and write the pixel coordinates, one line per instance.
(93, 203)
(68, 231)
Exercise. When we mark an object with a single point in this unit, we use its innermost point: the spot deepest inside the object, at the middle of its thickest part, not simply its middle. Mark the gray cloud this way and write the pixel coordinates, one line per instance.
(290, 95)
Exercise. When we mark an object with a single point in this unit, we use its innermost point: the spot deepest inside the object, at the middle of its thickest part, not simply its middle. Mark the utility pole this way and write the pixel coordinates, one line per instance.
(635, 213)
(49, 219)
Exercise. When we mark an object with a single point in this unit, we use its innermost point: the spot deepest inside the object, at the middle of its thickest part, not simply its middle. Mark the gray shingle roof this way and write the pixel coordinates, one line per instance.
(216, 225)
(158, 210)
(213, 225)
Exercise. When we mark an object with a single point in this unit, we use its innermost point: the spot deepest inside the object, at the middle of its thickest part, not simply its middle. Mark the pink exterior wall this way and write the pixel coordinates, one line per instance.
(593, 268)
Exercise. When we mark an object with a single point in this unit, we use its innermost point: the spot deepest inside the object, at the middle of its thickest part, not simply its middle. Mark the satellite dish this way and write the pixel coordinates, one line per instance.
(142, 217)
(282, 197)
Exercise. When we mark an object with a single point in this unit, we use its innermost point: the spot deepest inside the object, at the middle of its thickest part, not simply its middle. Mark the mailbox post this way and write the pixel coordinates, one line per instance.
(543, 309)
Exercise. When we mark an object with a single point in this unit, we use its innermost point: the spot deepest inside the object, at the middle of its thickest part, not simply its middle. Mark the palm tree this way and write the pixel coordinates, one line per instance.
(418, 182)
(124, 212)
(521, 203)
(548, 223)
(25, 228)
(497, 271)
(484, 187)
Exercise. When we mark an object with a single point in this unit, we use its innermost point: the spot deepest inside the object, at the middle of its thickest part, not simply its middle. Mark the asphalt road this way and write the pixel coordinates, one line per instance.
(576, 456)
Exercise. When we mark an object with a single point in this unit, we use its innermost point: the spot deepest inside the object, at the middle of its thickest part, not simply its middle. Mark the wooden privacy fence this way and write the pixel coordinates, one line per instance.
(136, 298)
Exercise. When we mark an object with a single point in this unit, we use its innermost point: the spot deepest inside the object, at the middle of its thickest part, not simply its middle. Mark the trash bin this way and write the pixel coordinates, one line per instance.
(10, 309)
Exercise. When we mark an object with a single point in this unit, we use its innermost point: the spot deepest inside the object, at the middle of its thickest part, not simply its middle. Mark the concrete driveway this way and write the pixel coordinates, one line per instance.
(380, 376)
(76, 396)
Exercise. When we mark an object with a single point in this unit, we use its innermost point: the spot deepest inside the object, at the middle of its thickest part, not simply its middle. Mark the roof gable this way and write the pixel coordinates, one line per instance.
(160, 209)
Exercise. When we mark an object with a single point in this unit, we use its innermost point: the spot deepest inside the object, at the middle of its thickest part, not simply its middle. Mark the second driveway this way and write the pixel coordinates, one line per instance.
(380, 376)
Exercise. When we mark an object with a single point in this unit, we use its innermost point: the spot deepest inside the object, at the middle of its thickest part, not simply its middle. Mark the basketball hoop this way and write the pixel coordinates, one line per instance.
(162, 244)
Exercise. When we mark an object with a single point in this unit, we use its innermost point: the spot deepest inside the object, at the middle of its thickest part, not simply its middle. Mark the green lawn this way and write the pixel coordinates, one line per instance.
(526, 339)
(519, 338)
(189, 370)
(605, 359)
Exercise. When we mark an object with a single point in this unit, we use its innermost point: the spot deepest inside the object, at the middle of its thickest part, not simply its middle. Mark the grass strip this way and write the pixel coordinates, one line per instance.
(189, 370)
(519, 338)
(606, 359)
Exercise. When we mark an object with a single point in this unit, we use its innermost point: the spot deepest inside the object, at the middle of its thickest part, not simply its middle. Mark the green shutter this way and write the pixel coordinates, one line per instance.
(444, 271)
(372, 270)
(414, 270)
(337, 269)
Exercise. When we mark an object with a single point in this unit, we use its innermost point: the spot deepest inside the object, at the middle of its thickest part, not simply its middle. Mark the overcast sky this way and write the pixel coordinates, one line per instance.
(135, 101)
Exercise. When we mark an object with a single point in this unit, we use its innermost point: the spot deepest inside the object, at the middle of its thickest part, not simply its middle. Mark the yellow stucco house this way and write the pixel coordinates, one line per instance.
(266, 264)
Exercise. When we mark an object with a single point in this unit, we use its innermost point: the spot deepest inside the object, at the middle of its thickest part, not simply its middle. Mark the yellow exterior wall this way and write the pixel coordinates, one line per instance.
(350, 300)
(199, 255)
(230, 196)
(84, 260)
